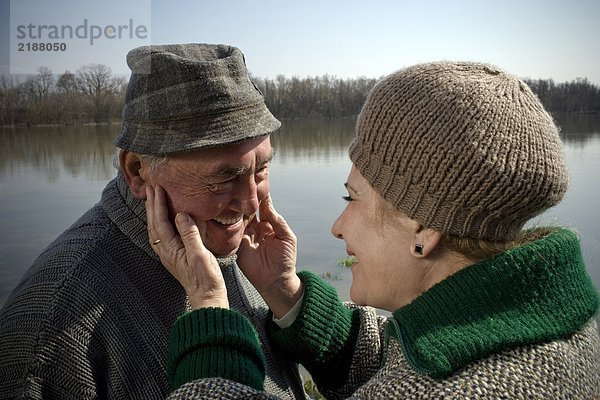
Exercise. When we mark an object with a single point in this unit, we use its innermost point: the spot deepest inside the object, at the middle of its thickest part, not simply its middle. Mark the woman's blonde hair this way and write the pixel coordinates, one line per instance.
(472, 249)
(480, 249)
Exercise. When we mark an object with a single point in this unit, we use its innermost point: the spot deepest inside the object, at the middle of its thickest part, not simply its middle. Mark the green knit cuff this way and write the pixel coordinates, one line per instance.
(323, 334)
(215, 342)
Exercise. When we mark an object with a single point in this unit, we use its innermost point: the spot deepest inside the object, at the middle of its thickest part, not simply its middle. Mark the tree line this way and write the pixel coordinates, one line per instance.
(577, 96)
(93, 95)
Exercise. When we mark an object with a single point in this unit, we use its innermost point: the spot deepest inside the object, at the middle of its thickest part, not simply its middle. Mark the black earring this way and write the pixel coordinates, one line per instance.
(419, 249)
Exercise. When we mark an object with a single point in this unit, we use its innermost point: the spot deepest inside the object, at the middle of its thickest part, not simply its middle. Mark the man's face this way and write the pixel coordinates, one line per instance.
(220, 187)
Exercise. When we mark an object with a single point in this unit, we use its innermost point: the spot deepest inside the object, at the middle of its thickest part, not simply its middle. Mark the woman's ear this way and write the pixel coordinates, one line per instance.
(131, 168)
(425, 241)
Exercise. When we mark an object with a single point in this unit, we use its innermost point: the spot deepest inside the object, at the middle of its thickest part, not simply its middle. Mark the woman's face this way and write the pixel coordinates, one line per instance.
(386, 274)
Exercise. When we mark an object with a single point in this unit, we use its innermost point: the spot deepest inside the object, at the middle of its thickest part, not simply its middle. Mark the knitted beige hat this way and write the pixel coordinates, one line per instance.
(464, 148)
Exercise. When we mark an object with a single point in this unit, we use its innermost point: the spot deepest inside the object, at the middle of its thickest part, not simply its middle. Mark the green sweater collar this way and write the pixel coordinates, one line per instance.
(534, 293)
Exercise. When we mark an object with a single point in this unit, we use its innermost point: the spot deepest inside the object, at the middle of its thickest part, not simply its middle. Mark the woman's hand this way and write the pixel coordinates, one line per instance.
(267, 257)
(184, 254)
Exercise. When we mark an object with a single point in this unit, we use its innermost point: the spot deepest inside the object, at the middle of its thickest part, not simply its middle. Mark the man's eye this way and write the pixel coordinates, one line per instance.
(347, 198)
(220, 187)
(215, 188)
(262, 170)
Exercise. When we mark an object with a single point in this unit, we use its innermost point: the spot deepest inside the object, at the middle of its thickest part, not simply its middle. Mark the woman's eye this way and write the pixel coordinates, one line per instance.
(347, 198)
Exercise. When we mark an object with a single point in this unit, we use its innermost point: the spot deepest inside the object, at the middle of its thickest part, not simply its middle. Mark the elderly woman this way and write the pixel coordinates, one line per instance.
(450, 160)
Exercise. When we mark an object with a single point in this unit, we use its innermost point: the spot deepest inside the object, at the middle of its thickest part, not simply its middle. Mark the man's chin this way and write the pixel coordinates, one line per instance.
(227, 255)
(223, 245)
(224, 251)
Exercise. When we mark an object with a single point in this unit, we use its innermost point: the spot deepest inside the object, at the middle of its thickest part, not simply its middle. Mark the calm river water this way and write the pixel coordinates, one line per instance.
(50, 175)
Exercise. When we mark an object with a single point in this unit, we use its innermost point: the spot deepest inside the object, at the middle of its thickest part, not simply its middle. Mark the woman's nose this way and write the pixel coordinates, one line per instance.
(336, 228)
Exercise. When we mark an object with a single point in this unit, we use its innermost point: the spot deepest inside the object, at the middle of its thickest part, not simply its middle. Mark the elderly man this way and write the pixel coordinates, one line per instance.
(91, 318)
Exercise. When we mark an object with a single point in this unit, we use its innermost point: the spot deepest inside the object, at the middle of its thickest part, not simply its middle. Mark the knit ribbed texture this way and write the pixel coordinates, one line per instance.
(215, 342)
(283, 376)
(535, 293)
(182, 97)
(463, 148)
(86, 322)
(564, 367)
(91, 318)
(323, 334)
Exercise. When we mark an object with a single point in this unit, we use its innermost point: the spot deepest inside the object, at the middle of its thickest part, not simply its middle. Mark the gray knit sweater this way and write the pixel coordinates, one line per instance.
(91, 317)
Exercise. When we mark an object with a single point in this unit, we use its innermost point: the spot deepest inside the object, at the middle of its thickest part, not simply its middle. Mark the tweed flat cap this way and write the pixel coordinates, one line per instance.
(183, 97)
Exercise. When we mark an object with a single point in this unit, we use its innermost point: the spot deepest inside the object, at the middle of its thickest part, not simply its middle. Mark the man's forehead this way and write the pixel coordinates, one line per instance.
(234, 159)
(230, 152)
(227, 160)
(237, 167)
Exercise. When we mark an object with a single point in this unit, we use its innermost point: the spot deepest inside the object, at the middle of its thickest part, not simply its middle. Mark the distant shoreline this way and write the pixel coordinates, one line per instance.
(93, 96)
(119, 122)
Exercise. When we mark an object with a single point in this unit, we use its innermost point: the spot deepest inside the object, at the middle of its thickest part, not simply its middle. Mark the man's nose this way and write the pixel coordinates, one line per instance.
(248, 196)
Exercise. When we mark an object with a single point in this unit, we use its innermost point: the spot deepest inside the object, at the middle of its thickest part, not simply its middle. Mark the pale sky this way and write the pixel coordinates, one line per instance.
(555, 39)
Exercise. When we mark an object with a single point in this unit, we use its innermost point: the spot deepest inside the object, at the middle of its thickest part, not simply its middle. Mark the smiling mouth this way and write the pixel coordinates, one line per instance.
(229, 221)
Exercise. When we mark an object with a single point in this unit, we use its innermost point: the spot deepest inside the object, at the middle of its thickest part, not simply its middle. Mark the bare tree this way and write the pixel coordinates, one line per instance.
(9, 100)
(92, 94)
(96, 82)
(44, 81)
(66, 83)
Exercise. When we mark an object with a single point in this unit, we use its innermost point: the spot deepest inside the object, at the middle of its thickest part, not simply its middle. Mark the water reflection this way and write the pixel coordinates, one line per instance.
(55, 150)
(49, 176)
(88, 150)
(313, 140)
(578, 130)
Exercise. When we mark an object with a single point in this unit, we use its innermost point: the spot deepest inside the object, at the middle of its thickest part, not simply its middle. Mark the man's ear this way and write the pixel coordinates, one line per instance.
(131, 167)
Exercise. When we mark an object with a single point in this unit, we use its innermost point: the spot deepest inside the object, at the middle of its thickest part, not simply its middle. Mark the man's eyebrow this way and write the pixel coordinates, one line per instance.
(227, 170)
(267, 160)
(230, 170)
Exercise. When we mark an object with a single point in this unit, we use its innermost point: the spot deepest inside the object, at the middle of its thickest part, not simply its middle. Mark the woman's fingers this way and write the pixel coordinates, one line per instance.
(204, 286)
(276, 220)
(183, 253)
(161, 235)
(271, 225)
(157, 215)
(150, 214)
(161, 223)
(190, 235)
